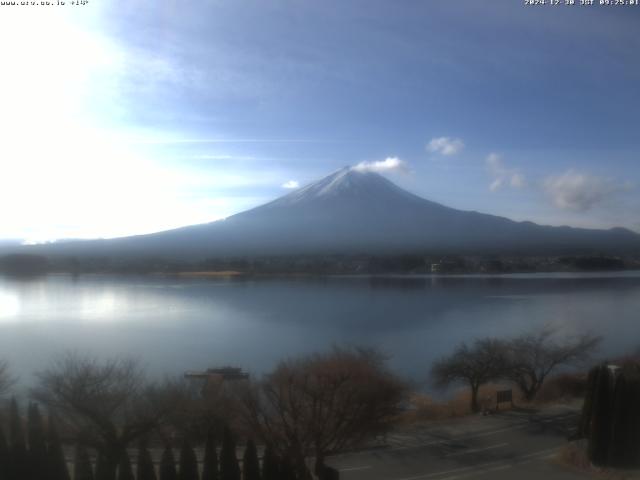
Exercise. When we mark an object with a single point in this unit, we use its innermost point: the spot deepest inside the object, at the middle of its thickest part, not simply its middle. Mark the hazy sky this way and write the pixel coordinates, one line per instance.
(122, 117)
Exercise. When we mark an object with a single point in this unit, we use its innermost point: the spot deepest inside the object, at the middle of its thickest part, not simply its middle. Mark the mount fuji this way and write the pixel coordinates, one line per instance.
(355, 212)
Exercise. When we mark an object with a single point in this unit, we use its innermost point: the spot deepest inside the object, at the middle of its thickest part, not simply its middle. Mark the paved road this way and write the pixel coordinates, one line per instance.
(510, 445)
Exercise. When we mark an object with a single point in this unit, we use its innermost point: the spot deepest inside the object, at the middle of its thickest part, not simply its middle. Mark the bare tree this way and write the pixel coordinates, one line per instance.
(533, 356)
(324, 403)
(207, 409)
(6, 379)
(475, 365)
(108, 404)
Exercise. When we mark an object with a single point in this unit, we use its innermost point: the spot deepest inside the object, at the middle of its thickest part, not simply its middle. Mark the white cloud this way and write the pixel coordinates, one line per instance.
(445, 146)
(291, 184)
(518, 180)
(580, 192)
(386, 165)
(503, 176)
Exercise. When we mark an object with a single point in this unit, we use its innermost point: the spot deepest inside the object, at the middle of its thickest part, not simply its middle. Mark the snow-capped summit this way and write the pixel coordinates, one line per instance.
(346, 183)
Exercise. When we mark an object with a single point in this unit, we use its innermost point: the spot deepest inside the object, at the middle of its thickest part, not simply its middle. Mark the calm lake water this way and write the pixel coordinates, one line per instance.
(174, 325)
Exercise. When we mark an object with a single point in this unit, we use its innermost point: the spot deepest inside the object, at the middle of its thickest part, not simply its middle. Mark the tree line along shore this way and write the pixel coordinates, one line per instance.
(29, 264)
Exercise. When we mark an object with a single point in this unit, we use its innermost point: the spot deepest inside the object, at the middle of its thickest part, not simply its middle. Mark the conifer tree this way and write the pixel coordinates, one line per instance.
(611, 416)
(168, 465)
(625, 422)
(145, 470)
(229, 468)
(287, 471)
(250, 463)
(56, 461)
(4, 457)
(18, 456)
(37, 443)
(270, 465)
(103, 471)
(599, 438)
(82, 464)
(210, 462)
(188, 462)
(125, 472)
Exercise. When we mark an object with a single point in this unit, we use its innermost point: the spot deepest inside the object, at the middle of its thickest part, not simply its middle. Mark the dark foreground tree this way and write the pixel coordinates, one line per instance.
(168, 465)
(37, 443)
(611, 416)
(229, 468)
(103, 471)
(533, 356)
(4, 456)
(324, 403)
(474, 365)
(287, 469)
(270, 465)
(145, 469)
(250, 462)
(82, 464)
(210, 461)
(125, 472)
(18, 456)
(107, 404)
(56, 460)
(188, 462)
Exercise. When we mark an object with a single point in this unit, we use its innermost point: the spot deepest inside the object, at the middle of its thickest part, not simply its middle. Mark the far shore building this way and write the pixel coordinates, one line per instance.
(215, 377)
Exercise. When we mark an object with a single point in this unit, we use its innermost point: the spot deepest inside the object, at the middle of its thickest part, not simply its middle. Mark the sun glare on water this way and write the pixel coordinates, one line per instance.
(9, 305)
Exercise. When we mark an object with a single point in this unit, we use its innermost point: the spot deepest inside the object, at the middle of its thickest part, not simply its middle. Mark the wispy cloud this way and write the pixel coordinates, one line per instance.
(503, 176)
(580, 192)
(223, 157)
(446, 146)
(386, 165)
(291, 184)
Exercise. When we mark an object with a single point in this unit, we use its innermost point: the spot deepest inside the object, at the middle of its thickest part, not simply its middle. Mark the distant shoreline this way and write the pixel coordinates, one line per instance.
(235, 275)
(320, 265)
(222, 273)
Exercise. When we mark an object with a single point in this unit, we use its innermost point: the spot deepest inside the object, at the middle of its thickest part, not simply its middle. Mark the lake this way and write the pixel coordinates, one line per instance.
(178, 324)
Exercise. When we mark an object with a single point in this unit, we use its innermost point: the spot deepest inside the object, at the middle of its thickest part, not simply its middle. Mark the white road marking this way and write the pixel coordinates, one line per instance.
(482, 467)
(472, 436)
(462, 439)
(475, 450)
(477, 472)
(353, 469)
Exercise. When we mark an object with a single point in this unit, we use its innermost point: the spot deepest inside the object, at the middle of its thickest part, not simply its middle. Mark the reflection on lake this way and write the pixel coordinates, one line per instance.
(174, 325)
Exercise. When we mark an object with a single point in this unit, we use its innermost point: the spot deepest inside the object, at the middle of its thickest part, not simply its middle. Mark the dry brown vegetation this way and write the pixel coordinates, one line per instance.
(425, 408)
(561, 388)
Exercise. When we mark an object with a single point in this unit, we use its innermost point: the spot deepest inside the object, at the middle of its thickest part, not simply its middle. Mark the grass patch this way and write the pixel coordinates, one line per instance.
(574, 456)
(425, 408)
(564, 388)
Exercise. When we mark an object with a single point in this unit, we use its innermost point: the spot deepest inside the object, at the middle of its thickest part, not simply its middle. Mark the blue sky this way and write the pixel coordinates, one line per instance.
(132, 117)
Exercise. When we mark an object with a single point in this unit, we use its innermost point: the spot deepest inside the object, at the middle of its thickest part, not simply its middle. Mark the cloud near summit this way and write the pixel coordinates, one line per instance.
(291, 184)
(386, 165)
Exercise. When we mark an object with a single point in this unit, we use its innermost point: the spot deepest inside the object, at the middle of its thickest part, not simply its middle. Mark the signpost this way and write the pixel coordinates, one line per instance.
(504, 396)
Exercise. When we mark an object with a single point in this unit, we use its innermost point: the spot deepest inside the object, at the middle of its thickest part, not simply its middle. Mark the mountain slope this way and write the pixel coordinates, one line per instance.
(350, 212)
